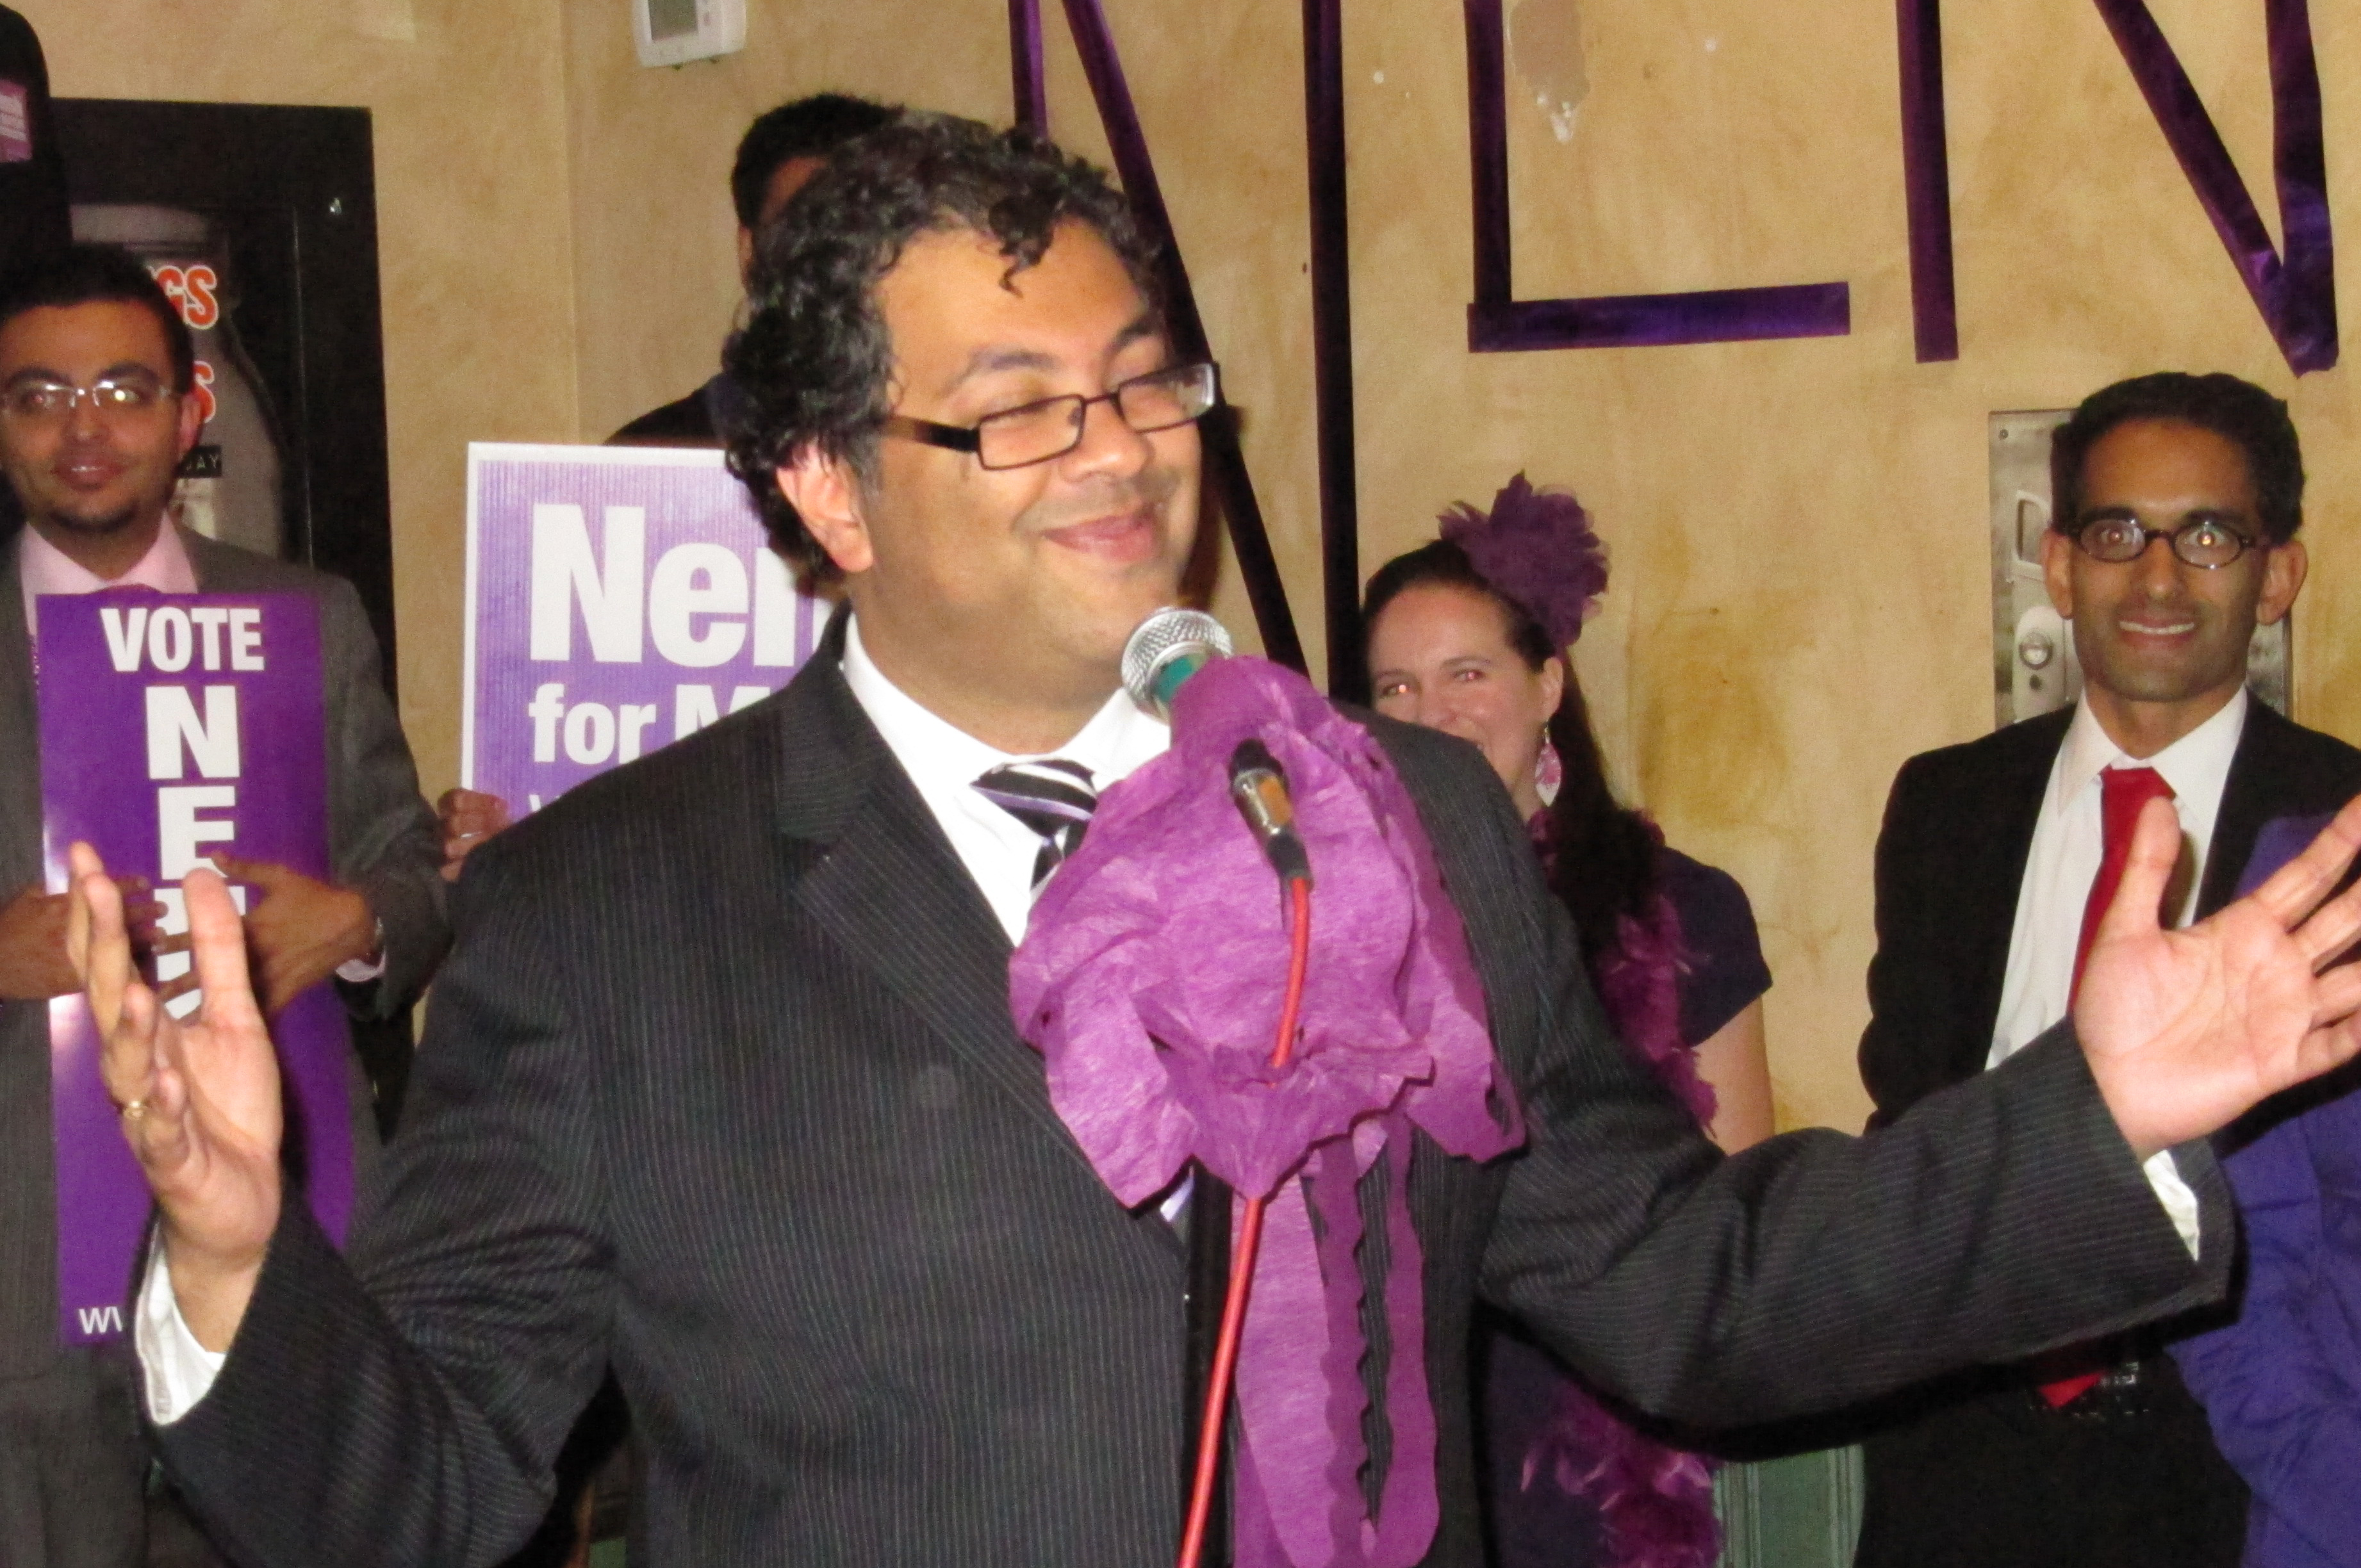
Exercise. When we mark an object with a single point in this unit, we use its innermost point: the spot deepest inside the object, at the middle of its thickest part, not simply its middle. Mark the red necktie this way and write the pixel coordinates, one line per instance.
(2124, 791)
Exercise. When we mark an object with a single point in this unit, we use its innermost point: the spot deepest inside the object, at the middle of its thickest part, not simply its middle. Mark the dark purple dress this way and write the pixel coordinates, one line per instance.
(1536, 1428)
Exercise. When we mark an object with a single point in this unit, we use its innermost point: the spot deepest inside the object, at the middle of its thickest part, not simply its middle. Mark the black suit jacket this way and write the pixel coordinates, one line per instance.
(1977, 1470)
(1951, 857)
(720, 1088)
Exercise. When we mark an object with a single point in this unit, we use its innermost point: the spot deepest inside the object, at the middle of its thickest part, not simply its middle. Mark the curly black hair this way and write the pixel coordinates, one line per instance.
(2239, 412)
(815, 357)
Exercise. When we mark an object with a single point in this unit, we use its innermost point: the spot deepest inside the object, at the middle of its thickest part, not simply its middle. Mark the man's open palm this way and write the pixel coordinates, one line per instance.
(201, 1096)
(2186, 1030)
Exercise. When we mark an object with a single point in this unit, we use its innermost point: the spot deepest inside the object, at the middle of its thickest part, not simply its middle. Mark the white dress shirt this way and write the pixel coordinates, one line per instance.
(945, 762)
(2068, 839)
(998, 851)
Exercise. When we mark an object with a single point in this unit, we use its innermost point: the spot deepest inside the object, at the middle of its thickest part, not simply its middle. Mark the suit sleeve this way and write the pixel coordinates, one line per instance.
(2284, 1406)
(383, 838)
(2002, 1217)
(405, 1403)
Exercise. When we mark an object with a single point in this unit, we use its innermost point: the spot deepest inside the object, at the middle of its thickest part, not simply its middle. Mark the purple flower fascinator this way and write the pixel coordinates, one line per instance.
(1151, 978)
(1538, 551)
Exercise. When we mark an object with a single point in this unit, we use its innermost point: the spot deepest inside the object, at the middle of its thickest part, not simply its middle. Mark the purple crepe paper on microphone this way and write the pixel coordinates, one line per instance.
(1151, 979)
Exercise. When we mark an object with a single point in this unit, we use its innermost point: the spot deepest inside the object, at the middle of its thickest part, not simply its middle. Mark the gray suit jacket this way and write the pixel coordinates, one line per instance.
(383, 839)
(720, 1089)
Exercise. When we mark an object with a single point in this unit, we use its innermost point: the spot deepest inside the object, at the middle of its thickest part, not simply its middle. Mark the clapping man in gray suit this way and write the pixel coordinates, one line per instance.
(721, 1087)
(95, 415)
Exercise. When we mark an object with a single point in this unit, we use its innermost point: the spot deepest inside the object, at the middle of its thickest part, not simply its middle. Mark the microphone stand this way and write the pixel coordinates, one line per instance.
(1208, 1243)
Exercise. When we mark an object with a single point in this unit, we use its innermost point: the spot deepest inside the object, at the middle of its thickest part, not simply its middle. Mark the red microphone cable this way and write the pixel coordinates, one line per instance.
(1249, 1242)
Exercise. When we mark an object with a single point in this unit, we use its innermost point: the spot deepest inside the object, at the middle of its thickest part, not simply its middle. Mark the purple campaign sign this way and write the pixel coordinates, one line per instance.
(618, 600)
(175, 727)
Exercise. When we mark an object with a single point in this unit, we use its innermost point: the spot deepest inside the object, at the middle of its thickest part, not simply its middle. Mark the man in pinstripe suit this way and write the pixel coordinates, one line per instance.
(721, 1087)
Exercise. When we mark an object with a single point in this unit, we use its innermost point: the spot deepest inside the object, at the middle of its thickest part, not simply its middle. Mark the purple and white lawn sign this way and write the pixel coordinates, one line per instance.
(618, 599)
(174, 727)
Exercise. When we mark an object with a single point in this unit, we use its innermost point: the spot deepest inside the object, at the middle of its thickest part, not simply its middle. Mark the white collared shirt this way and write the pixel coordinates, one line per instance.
(2069, 837)
(944, 762)
(2064, 859)
(43, 568)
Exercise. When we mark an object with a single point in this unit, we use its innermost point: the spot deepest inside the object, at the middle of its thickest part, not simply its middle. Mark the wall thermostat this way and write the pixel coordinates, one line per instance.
(674, 32)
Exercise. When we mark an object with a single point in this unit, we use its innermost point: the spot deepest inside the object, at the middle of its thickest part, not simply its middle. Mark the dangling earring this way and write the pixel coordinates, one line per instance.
(1549, 771)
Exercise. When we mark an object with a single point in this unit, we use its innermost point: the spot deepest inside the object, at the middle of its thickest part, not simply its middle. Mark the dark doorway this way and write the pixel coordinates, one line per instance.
(261, 220)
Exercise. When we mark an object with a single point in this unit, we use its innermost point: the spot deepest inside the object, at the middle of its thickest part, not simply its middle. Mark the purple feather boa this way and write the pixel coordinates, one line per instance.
(1654, 1502)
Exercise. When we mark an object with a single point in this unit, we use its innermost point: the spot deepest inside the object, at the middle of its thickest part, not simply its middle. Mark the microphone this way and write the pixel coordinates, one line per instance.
(1161, 653)
(1165, 650)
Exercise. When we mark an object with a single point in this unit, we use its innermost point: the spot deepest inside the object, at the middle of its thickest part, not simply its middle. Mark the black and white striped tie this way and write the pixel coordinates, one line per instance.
(1053, 797)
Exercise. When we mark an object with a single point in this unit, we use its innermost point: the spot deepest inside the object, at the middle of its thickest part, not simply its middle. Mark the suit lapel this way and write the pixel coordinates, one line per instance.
(2007, 807)
(2266, 779)
(882, 879)
(21, 737)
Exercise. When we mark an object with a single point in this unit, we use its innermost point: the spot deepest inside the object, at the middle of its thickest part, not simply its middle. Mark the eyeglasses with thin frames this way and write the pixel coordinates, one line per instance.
(43, 402)
(2203, 540)
(1038, 432)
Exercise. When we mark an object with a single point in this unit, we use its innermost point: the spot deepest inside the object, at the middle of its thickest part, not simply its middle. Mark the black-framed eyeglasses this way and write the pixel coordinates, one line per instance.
(1036, 433)
(42, 400)
(2206, 542)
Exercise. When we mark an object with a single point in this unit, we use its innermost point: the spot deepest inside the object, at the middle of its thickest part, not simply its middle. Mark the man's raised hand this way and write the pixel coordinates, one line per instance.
(199, 1096)
(2186, 1030)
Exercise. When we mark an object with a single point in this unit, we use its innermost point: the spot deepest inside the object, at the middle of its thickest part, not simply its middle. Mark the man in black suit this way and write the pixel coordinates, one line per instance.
(2177, 501)
(721, 1088)
(95, 366)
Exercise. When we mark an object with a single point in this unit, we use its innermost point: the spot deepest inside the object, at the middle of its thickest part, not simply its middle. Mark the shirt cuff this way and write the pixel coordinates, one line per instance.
(2179, 1202)
(360, 971)
(174, 1368)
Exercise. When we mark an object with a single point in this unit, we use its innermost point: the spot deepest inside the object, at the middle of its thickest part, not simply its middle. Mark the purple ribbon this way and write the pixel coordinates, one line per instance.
(1226, 463)
(1151, 978)
(1926, 180)
(2297, 297)
(1498, 321)
(1029, 85)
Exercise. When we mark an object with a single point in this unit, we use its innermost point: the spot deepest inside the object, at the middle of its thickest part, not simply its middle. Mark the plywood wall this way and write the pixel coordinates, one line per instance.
(1800, 597)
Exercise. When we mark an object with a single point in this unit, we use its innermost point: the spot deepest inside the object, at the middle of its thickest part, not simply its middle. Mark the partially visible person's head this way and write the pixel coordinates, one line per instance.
(101, 274)
(942, 272)
(94, 366)
(784, 147)
(1448, 652)
(2176, 502)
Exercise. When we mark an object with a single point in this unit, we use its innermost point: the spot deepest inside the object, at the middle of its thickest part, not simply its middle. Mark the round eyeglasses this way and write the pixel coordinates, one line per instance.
(1036, 433)
(39, 400)
(2206, 542)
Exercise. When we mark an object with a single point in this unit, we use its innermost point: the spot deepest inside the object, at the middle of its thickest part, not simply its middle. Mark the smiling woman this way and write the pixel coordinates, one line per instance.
(1467, 636)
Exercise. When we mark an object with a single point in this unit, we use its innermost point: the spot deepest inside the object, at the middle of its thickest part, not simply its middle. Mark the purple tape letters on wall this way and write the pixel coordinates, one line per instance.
(1498, 320)
(174, 727)
(618, 600)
